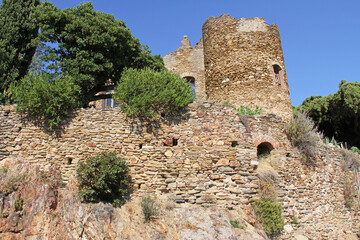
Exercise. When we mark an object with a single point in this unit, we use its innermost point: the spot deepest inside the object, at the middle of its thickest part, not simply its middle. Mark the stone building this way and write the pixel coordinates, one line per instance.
(188, 62)
(239, 61)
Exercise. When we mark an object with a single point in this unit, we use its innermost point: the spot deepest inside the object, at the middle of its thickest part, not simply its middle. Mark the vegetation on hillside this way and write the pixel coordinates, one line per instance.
(149, 207)
(104, 177)
(337, 115)
(269, 212)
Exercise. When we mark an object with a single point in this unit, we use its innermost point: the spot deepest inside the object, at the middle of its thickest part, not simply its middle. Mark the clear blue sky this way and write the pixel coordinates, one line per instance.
(320, 38)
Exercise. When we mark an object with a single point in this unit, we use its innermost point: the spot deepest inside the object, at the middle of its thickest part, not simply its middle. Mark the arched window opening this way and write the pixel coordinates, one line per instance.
(278, 76)
(191, 80)
(264, 149)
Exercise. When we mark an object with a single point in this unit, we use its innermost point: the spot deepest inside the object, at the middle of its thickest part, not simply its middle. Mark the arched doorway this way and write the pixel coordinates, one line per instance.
(191, 80)
(278, 75)
(264, 149)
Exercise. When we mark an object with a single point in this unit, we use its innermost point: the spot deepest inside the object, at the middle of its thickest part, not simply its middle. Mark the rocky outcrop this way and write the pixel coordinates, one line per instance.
(51, 210)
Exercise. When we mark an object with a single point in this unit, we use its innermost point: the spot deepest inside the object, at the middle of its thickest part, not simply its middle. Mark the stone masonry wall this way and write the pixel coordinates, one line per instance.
(208, 157)
(188, 61)
(315, 196)
(244, 64)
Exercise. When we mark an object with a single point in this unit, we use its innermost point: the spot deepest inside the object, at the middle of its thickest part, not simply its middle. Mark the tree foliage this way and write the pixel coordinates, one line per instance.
(104, 177)
(18, 29)
(91, 46)
(45, 98)
(337, 115)
(148, 93)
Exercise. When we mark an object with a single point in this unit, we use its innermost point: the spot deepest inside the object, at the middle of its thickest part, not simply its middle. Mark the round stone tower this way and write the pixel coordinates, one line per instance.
(244, 64)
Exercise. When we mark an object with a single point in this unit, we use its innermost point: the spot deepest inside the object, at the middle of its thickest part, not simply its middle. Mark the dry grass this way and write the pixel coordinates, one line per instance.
(304, 136)
(351, 160)
(266, 170)
(268, 177)
(12, 174)
(349, 192)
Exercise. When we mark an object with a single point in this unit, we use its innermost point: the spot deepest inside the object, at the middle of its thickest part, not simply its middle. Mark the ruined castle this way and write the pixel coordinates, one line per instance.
(209, 155)
(239, 61)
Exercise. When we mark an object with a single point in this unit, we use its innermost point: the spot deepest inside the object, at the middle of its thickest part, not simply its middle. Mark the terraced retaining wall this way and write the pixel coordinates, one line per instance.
(205, 156)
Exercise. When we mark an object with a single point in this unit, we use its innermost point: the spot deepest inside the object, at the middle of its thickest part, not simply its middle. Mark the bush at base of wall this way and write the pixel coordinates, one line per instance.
(104, 177)
(269, 213)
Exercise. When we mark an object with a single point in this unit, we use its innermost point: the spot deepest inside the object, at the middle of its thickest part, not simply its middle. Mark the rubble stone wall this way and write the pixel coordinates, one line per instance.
(314, 196)
(244, 64)
(206, 157)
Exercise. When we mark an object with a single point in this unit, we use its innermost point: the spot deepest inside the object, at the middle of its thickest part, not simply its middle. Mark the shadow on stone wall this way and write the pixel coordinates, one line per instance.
(28, 120)
(153, 125)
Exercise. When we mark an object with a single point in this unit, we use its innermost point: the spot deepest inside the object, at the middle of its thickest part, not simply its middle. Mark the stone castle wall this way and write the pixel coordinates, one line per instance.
(315, 196)
(188, 62)
(208, 157)
(245, 65)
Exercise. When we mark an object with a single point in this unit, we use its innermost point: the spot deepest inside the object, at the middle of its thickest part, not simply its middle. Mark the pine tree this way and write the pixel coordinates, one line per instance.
(18, 29)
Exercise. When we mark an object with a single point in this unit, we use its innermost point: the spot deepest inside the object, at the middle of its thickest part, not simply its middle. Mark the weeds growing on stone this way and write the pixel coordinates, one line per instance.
(351, 160)
(295, 220)
(149, 208)
(246, 110)
(236, 224)
(52, 177)
(4, 214)
(19, 205)
(304, 136)
(10, 182)
(349, 192)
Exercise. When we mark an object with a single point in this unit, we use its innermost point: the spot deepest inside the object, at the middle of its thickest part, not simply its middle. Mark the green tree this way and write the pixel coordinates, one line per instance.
(91, 46)
(337, 115)
(148, 93)
(45, 98)
(18, 29)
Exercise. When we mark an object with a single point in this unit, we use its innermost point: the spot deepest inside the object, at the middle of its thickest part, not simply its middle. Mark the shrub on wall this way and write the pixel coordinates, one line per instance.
(304, 136)
(104, 177)
(45, 98)
(148, 93)
(246, 110)
(351, 160)
(269, 213)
